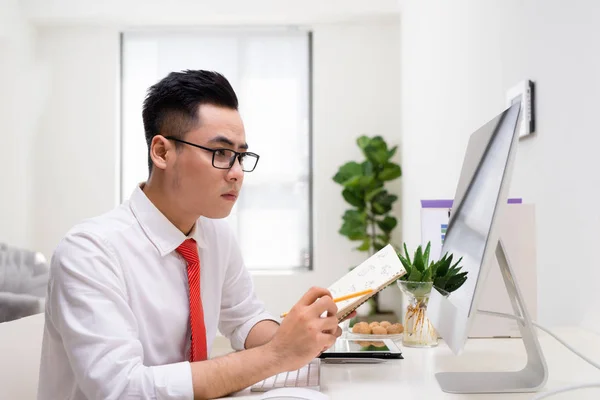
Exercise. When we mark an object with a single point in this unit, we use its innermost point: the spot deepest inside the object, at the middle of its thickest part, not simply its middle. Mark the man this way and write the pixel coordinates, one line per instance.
(136, 295)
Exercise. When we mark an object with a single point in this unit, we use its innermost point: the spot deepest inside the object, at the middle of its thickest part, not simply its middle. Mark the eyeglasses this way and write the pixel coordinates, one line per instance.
(225, 158)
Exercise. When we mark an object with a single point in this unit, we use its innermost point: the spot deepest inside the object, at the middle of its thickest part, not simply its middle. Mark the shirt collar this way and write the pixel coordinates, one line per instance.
(161, 232)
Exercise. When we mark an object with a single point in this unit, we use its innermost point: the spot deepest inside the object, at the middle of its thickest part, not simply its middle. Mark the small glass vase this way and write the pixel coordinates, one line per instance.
(418, 330)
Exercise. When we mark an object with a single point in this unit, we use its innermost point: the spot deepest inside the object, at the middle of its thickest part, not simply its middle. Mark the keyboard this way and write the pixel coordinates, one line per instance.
(308, 376)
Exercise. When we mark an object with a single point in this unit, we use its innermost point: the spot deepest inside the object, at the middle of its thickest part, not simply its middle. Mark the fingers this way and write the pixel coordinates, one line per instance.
(349, 316)
(338, 332)
(325, 303)
(329, 324)
(330, 339)
(327, 339)
(312, 295)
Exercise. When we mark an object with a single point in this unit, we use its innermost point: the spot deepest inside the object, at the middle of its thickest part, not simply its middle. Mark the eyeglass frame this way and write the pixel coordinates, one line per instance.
(237, 156)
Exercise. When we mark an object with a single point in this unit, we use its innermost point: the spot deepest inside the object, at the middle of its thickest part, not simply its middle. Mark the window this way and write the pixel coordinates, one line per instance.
(270, 72)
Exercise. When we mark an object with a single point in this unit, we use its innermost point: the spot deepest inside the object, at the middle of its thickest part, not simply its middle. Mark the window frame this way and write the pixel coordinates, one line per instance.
(309, 263)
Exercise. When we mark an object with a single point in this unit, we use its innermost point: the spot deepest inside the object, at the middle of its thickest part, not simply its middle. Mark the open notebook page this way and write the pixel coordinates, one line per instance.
(377, 272)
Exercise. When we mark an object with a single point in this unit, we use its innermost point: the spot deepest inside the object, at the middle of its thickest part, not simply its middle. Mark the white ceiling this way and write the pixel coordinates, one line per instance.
(136, 13)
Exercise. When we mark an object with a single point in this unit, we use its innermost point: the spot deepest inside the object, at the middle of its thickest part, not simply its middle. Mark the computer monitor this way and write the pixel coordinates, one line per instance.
(472, 234)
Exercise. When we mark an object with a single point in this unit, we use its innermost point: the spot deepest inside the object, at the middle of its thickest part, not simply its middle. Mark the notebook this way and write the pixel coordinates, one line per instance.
(377, 272)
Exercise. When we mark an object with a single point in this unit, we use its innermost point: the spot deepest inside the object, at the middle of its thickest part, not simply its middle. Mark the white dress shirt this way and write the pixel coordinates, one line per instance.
(117, 311)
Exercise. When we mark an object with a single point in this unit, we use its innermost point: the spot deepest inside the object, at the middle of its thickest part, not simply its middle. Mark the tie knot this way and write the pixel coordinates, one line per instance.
(189, 251)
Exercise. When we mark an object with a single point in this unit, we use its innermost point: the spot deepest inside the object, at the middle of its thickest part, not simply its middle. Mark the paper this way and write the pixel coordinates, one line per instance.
(377, 272)
(434, 224)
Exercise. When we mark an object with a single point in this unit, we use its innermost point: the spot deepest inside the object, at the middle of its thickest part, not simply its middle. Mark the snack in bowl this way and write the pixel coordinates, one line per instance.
(362, 328)
(395, 329)
(377, 328)
(385, 324)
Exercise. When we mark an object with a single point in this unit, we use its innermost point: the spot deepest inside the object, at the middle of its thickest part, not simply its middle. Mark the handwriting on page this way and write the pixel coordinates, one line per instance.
(373, 273)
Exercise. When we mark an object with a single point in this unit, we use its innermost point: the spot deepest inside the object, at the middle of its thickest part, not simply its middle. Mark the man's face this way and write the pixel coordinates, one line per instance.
(201, 188)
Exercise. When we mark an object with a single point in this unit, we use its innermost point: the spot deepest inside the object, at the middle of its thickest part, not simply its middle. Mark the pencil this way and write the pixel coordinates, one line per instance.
(345, 297)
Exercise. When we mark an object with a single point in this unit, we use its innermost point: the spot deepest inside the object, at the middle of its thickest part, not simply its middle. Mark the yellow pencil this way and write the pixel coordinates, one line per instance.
(345, 297)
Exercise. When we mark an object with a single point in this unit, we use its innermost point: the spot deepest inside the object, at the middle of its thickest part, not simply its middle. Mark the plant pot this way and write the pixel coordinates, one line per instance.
(418, 331)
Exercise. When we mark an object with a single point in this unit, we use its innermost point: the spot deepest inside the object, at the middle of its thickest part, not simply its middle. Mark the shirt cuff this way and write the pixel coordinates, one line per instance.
(241, 333)
(173, 381)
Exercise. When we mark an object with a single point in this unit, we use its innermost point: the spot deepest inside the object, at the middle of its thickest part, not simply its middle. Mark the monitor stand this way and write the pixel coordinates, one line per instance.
(529, 379)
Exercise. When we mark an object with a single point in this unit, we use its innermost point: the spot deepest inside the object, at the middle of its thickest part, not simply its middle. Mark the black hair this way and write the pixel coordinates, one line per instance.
(171, 105)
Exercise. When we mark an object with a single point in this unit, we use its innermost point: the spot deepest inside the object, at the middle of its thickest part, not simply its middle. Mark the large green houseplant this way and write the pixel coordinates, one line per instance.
(368, 220)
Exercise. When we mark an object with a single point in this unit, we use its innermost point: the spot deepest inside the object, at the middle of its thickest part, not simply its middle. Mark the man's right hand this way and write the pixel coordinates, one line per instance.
(303, 333)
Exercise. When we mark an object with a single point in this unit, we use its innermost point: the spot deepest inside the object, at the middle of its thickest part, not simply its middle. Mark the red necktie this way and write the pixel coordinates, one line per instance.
(189, 251)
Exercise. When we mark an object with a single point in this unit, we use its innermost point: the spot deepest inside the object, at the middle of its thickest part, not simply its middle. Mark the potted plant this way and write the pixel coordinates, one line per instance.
(421, 276)
(368, 220)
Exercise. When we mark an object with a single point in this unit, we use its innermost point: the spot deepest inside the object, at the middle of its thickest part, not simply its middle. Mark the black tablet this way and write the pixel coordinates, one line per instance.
(356, 348)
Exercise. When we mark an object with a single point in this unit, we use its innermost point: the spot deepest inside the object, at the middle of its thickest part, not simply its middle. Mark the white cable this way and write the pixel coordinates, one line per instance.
(559, 390)
(497, 314)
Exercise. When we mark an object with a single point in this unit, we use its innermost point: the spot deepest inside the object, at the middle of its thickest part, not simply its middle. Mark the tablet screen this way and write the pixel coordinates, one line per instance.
(363, 346)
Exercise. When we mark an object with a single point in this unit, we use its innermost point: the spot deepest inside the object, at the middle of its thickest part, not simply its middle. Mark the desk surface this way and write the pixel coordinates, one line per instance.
(413, 377)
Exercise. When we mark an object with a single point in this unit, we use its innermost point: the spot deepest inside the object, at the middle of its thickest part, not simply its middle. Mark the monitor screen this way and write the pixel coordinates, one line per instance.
(476, 199)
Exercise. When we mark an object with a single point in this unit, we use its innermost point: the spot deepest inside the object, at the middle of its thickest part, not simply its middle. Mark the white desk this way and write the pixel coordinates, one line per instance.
(413, 377)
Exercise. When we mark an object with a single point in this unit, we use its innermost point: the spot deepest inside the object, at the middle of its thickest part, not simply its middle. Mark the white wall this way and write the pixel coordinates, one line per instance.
(458, 59)
(355, 84)
(75, 151)
(355, 92)
(19, 104)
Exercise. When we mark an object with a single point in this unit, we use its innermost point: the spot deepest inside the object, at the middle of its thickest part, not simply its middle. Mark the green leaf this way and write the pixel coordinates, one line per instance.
(378, 142)
(378, 209)
(406, 253)
(433, 268)
(387, 224)
(418, 259)
(440, 282)
(392, 151)
(376, 151)
(456, 263)
(347, 171)
(389, 172)
(366, 183)
(369, 196)
(415, 275)
(408, 271)
(382, 202)
(353, 197)
(354, 225)
(427, 276)
(366, 244)
(352, 233)
(405, 263)
(377, 156)
(354, 215)
(453, 271)
(367, 168)
(457, 277)
(363, 142)
(444, 264)
(353, 183)
(379, 245)
(455, 282)
(426, 254)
